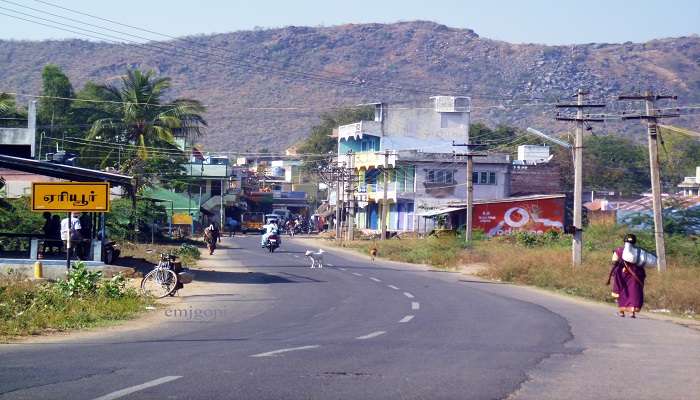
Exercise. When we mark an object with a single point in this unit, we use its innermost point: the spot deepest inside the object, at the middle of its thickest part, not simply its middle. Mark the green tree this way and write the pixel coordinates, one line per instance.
(134, 124)
(615, 163)
(320, 141)
(54, 109)
(13, 117)
(678, 156)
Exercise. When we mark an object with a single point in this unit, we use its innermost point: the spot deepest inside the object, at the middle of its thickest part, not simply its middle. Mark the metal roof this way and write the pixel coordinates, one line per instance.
(66, 172)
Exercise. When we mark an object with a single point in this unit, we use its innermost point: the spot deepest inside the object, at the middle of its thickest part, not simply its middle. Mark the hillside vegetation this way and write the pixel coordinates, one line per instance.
(236, 74)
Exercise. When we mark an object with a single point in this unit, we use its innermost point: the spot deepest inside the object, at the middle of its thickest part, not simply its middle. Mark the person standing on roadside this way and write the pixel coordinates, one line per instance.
(627, 278)
(71, 229)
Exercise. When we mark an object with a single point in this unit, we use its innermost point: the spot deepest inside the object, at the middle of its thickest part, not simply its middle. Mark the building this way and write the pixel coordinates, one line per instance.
(411, 148)
(691, 184)
(19, 142)
(532, 173)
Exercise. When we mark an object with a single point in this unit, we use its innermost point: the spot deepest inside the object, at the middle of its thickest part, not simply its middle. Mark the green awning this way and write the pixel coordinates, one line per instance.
(182, 203)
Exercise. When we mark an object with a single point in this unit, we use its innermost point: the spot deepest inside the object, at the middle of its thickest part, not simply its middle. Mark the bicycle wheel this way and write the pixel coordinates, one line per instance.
(159, 283)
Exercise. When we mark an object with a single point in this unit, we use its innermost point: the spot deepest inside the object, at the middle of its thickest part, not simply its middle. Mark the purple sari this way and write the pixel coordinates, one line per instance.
(628, 283)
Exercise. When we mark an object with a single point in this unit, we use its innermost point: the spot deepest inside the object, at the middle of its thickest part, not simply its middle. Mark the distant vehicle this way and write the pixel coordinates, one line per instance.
(252, 221)
(283, 213)
(270, 217)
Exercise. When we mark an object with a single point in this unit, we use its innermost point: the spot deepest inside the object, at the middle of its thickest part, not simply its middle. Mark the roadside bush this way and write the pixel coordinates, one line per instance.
(188, 250)
(114, 288)
(80, 282)
(30, 307)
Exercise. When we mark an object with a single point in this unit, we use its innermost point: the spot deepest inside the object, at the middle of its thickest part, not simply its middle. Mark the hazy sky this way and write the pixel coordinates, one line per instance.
(520, 21)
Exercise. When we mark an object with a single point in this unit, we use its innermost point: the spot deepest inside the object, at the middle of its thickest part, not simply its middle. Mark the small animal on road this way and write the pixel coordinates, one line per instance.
(373, 253)
(316, 258)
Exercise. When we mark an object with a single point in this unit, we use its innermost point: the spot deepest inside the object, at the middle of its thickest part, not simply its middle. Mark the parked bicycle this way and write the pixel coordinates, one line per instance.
(164, 279)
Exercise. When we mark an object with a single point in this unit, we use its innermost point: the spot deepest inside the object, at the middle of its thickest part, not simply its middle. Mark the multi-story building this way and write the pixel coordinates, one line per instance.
(412, 146)
(691, 184)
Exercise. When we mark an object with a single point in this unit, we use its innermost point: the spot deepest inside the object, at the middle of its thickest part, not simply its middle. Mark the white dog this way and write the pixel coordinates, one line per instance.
(316, 258)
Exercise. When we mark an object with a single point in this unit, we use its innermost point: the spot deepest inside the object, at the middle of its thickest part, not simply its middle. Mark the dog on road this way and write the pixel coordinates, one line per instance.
(316, 258)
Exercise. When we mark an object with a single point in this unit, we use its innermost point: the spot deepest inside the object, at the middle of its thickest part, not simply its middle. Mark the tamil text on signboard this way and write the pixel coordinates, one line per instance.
(70, 196)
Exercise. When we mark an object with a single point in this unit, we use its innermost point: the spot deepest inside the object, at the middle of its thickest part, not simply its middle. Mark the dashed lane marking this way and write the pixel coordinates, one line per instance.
(356, 274)
(280, 351)
(133, 389)
(375, 279)
(371, 335)
(409, 295)
(406, 319)
(393, 287)
(343, 269)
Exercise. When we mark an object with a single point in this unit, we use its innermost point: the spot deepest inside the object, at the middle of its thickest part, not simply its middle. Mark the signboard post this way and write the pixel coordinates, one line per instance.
(70, 197)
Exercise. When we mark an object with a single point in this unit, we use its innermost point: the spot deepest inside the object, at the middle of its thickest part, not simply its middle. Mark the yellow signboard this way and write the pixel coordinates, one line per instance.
(182, 219)
(70, 196)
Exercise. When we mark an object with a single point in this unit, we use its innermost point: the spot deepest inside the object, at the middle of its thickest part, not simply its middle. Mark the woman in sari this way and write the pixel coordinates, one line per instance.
(628, 280)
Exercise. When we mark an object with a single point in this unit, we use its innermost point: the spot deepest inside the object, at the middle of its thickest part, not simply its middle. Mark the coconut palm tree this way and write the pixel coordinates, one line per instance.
(12, 116)
(7, 103)
(134, 123)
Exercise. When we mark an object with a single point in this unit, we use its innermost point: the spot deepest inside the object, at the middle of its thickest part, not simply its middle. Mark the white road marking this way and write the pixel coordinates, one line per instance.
(393, 287)
(356, 274)
(276, 352)
(343, 269)
(406, 319)
(371, 335)
(410, 296)
(129, 390)
(375, 279)
(415, 305)
(330, 265)
(295, 256)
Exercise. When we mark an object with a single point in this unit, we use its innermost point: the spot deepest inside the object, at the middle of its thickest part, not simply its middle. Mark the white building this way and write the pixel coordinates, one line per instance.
(415, 142)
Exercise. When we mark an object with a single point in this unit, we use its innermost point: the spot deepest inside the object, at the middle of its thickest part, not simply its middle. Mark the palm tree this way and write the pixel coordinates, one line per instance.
(12, 117)
(133, 122)
(7, 103)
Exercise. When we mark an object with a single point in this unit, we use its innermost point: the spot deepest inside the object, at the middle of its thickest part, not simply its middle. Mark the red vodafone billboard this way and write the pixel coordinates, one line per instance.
(536, 214)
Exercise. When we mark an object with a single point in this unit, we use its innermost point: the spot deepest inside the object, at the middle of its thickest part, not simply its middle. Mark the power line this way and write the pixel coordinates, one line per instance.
(252, 66)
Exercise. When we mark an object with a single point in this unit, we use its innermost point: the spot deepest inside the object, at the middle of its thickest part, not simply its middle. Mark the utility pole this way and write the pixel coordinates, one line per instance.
(581, 120)
(337, 204)
(385, 209)
(221, 206)
(351, 197)
(470, 154)
(651, 118)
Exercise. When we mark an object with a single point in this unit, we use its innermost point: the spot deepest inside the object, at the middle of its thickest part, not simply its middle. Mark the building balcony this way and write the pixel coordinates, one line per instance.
(359, 129)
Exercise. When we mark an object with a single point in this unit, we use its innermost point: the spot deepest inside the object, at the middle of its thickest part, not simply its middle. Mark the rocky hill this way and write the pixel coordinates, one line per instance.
(265, 88)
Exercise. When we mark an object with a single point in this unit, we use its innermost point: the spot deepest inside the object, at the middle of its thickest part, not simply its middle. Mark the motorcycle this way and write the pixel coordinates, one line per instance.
(272, 243)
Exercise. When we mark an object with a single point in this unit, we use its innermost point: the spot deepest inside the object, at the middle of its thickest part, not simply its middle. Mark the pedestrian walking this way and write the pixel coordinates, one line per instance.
(211, 236)
(628, 275)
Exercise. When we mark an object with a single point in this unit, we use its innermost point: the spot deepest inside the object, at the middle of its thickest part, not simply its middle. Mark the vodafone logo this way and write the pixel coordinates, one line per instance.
(516, 217)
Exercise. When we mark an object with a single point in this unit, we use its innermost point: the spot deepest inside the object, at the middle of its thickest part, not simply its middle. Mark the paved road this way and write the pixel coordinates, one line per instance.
(266, 326)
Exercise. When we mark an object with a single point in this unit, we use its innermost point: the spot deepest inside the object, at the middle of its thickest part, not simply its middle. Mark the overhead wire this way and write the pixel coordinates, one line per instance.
(193, 53)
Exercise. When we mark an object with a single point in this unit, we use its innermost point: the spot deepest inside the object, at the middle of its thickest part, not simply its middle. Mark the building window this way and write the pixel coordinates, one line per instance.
(484, 178)
(440, 176)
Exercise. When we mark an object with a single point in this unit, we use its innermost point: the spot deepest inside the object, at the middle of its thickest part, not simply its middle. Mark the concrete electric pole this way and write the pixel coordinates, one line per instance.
(351, 196)
(581, 120)
(651, 118)
(385, 208)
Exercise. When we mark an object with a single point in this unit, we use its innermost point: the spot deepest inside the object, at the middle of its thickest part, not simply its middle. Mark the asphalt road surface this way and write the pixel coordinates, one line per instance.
(266, 326)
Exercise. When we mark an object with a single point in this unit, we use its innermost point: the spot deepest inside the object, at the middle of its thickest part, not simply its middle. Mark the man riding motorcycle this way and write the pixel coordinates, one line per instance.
(270, 229)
